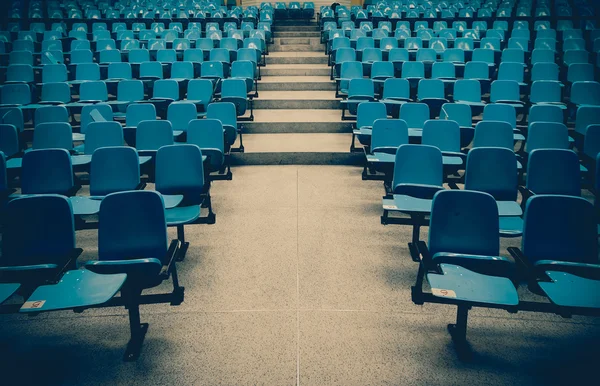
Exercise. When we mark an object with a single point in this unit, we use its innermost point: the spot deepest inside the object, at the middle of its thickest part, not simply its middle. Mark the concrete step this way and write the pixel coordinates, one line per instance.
(297, 121)
(316, 41)
(297, 48)
(296, 83)
(297, 34)
(295, 70)
(297, 149)
(296, 58)
(297, 100)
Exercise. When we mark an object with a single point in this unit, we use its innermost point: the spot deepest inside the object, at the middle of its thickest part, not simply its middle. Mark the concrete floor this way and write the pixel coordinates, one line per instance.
(297, 282)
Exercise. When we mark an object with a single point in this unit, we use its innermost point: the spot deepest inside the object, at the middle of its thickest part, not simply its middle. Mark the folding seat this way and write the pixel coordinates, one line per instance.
(180, 114)
(438, 44)
(349, 70)
(9, 146)
(580, 72)
(561, 249)
(545, 44)
(137, 56)
(454, 55)
(585, 94)
(546, 92)
(477, 71)
(395, 93)
(519, 44)
(468, 91)
(364, 42)
(485, 56)
(93, 92)
(156, 44)
(402, 34)
(449, 34)
(359, 90)
(424, 34)
(119, 71)
(417, 177)
(200, 92)
(212, 71)
(51, 45)
(221, 55)
(15, 95)
(431, 92)
(512, 71)
(516, 55)
(100, 35)
(545, 33)
(547, 135)
(47, 171)
(124, 34)
(586, 116)
(545, 113)
(207, 134)
(105, 44)
(575, 56)
(413, 72)
(92, 113)
(461, 114)
(366, 114)
(194, 55)
(231, 44)
(129, 91)
(235, 91)
(445, 135)
(413, 44)
(182, 71)
(490, 133)
(138, 112)
(574, 44)
(80, 44)
(415, 115)
(21, 57)
(552, 171)
(81, 57)
(370, 55)
(169, 35)
(506, 91)
(147, 35)
(110, 56)
(387, 136)
(19, 73)
(152, 135)
(246, 71)
(86, 72)
(226, 113)
(114, 169)
(23, 45)
(572, 34)
(388, 43)
(398, 56)
(165, 56)
(494, 171)
(165, 91)
(55, 93)
(444, 71)
(103, 134)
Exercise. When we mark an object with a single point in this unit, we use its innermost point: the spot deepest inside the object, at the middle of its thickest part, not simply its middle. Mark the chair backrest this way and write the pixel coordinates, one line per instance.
(361, 88)
(545, 113)
(388, 134)
(493, 134)
(114, 169)
(492, 170)
(53, 135)
(130, 90)
(415, 114)
(368, 112)
(39, 230)
(553, 171)
(560, 228)
(151, 135)
(166, 88)
(586, 115)
(504, 90)
(500, 112)
(223, 111)
(585, 93)
(46, 171)
(9, 140)
(137, 112)
(591, 143)
(206, 134)
(103, 134)
(443, 134)
(458, 112)
(418, 164)
(547, 135)
(93, 91)
(179, 170)
(580, 72)
(132, 226)
(464, 222)
(180, 114)
(395, 87)
(467, 90)
(430, 88)
(544, 91)
(413, 70)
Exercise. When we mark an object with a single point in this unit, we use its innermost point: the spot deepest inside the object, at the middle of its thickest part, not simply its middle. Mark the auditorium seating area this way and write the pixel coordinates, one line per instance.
(407, 191)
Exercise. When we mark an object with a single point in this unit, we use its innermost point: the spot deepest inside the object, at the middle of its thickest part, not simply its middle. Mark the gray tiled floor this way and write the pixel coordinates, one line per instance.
(297, 281)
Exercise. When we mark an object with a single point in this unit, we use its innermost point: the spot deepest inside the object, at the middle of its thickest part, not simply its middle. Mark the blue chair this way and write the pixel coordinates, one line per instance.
(461, 114)
(151, 71)
(413, 72)
(561, 251)
(504, 113)
(246, 71)
(415, 115)
(366, 115)
(547, 135)
(93, 92)
(507, 92)
(396, 92)
(52, 73)
(9, 141)
(180, 170)
(180, 114)
(234, 91)
(468, 91)
(418, 175)
(119, 71)
(207, 134)
(494, 171)
(200, 92)
(92, 113)
(226, 113)
(152, 135)
(17, 94)
(114, 169)
(165, 92)
(212, 71)
(462, 262)
(585, 94)
(387, 136)
(47, 171)
(552, 171)
(349, 70)
(432, 93)
(182, 71)
(360, 90)
(132, 239)
(445, 135)
(493, 134)
(546, 92)
(102, 134)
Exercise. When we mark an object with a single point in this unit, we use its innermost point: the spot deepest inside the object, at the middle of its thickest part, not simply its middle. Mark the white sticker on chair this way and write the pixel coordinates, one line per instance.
(390, 207)
(443, 293)
(33, 305)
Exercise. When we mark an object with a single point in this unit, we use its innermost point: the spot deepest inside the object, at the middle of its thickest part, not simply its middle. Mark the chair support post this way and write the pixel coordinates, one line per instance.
(137, 329)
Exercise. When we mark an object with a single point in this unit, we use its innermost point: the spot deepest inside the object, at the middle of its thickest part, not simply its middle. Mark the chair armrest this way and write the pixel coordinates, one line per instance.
(170, 259)
(485, 265)
(146, 268)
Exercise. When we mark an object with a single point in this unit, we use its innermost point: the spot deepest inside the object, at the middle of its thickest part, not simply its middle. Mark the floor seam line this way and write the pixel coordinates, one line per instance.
(297, 277)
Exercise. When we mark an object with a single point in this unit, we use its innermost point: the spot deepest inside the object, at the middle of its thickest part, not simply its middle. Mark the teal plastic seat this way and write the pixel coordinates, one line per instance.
(585, 93)
(553, 171)
(151, 71)
(586, 115)
(539, 55)
(110, 56)
(226, 113)
(180, 114)
(396, 92)
(468, 91)
(512, 71)
(494, 171)
(182, 71)
(93, 92)
(417, 171)
(367, 113)
(47, 171)
(9, 140)
(200, 92)
(562, 249)
(546, 92)
(349, 70)
(235, 91)
(51, 114)
(432, 93)
(545, 113)
(415, 115)
(114, 169)
(99, 111)
(119, 71)
(129, 91)
(52, 135)
(165, 90)
(102, 134)
(445, 135)
(493, 134)
(246, 70)
(506, 91)
(547, 135)
(152, 135)
(465, 251)
(444, 71)
(359, 90)
(54, 73)
(413, 71)
(139, 55)
(461, 114)
(19, 73)
(477, 71)
(207, 134)
(387, 135)
(212, 70)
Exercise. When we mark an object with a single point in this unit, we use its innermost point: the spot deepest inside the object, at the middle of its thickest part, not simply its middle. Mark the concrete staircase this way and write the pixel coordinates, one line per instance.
(297, 119)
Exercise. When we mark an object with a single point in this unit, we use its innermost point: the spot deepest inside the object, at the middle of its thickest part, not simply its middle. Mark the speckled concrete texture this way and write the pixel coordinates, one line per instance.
(297, 282)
